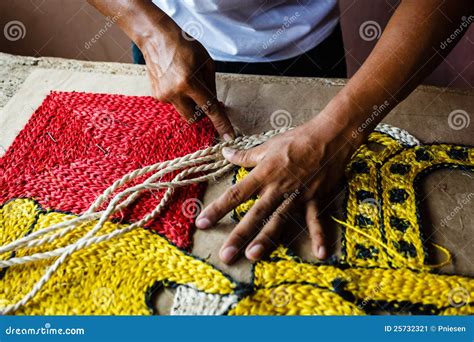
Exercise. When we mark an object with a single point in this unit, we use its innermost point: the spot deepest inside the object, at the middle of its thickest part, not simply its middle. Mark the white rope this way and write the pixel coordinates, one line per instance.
(208, 162)
(398, 134)
(189, 301)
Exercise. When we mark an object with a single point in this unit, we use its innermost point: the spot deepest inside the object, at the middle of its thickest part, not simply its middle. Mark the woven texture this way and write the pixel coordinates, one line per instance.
(383, 266)
(111, 277)
(384, 260)
(76, 144)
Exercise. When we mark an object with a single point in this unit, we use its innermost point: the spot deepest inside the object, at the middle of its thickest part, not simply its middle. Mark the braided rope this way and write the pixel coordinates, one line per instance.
(207, 161)
(398, 134)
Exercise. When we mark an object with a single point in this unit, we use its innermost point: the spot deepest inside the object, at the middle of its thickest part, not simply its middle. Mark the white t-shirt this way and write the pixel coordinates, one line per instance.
(254, 30)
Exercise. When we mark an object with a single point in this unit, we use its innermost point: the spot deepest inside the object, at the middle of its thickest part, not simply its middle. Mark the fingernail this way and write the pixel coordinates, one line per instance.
(203, 223)
(227, 151)
(321, 252)
(227, 137)
(255, 252)
(228, 253)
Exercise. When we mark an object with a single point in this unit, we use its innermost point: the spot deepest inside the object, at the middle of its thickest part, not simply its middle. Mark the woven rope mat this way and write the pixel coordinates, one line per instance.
(251, 101)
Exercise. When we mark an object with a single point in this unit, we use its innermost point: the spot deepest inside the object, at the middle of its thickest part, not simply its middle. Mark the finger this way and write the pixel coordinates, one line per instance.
(245, 158)
(230, 199)
(267, 239)
(206, 99)
(248, 227)
(185, 107)
(315, 228)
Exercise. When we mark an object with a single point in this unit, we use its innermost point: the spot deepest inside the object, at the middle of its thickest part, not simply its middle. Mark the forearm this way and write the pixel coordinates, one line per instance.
(139, 19)
(406, 53)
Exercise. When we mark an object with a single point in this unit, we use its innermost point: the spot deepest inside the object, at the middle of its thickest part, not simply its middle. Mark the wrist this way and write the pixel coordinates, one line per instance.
(340, 119)
(145, 21)
(350, 117)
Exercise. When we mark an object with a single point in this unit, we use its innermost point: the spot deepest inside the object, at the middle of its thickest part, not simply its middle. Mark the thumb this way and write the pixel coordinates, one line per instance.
(244, 158)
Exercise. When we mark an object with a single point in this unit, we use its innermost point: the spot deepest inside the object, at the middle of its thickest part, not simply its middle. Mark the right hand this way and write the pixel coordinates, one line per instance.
(183, 73)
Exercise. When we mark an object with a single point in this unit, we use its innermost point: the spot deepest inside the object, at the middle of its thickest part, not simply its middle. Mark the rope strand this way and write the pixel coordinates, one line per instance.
(208, 161)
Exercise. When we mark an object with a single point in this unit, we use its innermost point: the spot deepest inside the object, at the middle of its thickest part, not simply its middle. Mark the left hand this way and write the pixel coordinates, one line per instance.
(302, 164)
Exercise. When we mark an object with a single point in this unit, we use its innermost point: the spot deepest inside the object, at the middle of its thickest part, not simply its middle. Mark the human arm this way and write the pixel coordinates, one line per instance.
(311, 158)
(179, 67)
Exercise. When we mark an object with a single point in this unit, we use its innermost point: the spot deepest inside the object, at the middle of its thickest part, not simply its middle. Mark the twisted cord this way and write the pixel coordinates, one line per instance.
(31, 239)
(201, 161)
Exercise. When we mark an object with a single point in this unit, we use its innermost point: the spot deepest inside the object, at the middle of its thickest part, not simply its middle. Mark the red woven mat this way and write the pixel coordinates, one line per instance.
(77, 144)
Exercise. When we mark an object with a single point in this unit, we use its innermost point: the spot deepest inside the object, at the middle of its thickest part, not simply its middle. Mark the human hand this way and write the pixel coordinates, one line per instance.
(303, 164)
(182, 73)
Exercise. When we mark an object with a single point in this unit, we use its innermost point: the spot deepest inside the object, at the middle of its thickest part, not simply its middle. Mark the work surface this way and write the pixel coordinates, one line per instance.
(251, 100)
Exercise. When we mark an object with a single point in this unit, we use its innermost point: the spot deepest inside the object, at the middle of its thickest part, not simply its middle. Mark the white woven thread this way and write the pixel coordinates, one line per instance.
(398, 134)
(190, 301)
